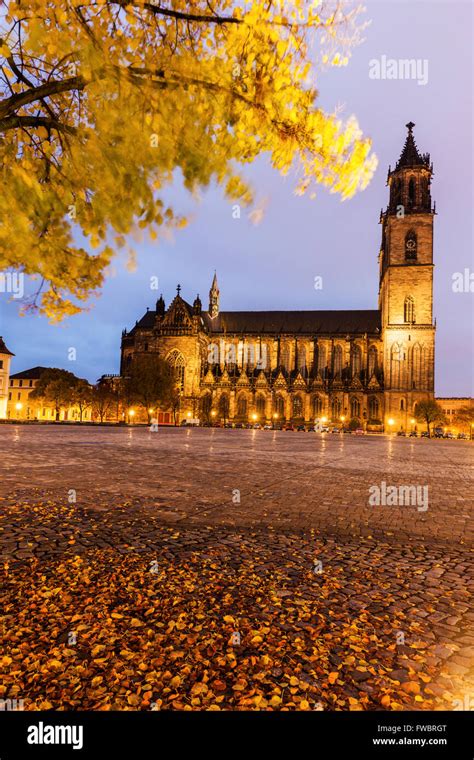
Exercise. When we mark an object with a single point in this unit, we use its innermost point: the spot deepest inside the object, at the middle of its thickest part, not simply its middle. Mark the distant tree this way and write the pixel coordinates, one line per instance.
(465, 418)
(354, 423)
(429, 411)
(104, 397)
(55, 386)
(81, 396)
(151, 382)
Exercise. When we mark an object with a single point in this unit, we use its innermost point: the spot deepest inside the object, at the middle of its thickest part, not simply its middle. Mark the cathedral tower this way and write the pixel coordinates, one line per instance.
(406, 286)
(214, 298)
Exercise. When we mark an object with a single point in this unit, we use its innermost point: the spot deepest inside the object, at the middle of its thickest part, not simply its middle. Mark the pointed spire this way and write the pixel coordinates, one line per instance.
(410, 155)
(214, 298)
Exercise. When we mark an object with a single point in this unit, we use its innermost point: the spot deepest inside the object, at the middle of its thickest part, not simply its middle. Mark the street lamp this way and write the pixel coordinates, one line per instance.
(189, 414)
(131, 413)
(324, 419)
(18, 406)
(391, 423)
(254, 416)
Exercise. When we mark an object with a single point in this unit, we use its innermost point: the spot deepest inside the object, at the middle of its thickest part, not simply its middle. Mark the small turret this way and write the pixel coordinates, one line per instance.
(197, 306)
(160, 306)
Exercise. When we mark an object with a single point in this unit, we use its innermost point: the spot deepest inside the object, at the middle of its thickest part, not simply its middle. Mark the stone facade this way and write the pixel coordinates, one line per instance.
(269, 367)
(5, 358)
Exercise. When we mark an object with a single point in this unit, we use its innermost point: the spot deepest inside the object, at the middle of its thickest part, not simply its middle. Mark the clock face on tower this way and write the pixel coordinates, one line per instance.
(411, 245)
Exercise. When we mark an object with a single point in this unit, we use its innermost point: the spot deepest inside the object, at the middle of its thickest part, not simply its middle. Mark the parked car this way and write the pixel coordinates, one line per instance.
(324, 430)
(311, 429)
(347, 431)
(257, 426)
(402, 433)
(289, 427)
(425, 434)
(413, 434)
(462, 435)
(359, 431)
(301, 429)
(239, 425)
(336, 430)
(267, 427)
(228, 425)
(449, 435)
(438, 433)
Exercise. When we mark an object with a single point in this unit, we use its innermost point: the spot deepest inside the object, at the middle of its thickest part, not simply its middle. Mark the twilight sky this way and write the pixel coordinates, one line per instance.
(273, 265)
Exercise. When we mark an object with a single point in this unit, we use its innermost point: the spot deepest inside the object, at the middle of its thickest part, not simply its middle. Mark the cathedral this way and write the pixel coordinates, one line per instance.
(370, 367)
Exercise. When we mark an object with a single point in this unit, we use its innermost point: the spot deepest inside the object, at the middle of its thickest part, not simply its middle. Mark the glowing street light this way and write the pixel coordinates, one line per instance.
(18, 406)
(324, 419)
(131, 413)
(151, 411)
(342, 418)
(275, 416)
(189, 414)
(213, 414)
(391, 422)
(254, 416)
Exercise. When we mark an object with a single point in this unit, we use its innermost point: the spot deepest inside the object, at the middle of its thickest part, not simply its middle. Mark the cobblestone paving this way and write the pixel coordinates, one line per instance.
(281, 501)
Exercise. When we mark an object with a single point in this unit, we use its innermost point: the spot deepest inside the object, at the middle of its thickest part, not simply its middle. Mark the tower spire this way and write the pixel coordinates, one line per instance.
(214, 298)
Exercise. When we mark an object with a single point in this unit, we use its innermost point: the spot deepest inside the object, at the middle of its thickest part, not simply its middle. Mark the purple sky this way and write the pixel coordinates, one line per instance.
(273, 265)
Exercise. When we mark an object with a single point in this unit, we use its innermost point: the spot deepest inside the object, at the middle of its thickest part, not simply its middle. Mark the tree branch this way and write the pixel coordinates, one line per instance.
(15, 122)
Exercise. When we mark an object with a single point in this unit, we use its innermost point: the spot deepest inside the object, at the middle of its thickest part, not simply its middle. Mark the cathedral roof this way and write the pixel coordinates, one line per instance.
(410, 155)
(284, 322)
(304, 322)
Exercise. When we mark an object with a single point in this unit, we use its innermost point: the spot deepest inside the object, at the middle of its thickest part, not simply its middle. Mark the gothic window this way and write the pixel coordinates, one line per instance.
(242, 407)
(285, 356)
(373, 361)
(374, 408)
(302, 359)
(224, 406)
(356, 361)
(402, 405)
(397, 362)
(261, 406)
(337, 361)
(411, 245)
(177, 364)
(335, 408)
(146, 346)
(317, 406)
(206, 404)
(411, 193)
(280, 406)
(417, 367)
(297, 406)
(355, 408)
(322, 361)
(409, 310)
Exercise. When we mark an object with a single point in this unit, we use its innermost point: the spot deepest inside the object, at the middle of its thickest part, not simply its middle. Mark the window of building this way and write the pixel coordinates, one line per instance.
(1, 363)
(317, 406)
(177, 365)
(356, 361)
(374, 408)
(373, 360)
(355, 408)
(242, 406)
(409, 310)
(20, 383)
(297, 406)
(261, 406)
(280, 406)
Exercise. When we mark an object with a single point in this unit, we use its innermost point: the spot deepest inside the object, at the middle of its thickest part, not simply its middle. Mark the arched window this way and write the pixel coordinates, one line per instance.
(411, 193)
(206, 404)
(177, 364)
(356, 360)
(280, 406)
(317, 406)
(374, 408)
(418, 367)
(355, 407)
(285, 356)
(322, 360)
(242, 406)
(409, 310)
(224, 406)
(402, 405)
(337, 361)
(302, 359)
(397, 365)
(336, 408)
(297, 406)
(260, 406)
(373, 361)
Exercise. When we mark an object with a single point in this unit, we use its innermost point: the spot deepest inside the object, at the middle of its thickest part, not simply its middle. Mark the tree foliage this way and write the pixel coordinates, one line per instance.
(103, 104)
(150, 383)
(60, 388)
(429, 411)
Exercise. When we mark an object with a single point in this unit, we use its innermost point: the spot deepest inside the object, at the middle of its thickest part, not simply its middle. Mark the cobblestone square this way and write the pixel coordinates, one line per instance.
(234, 569)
